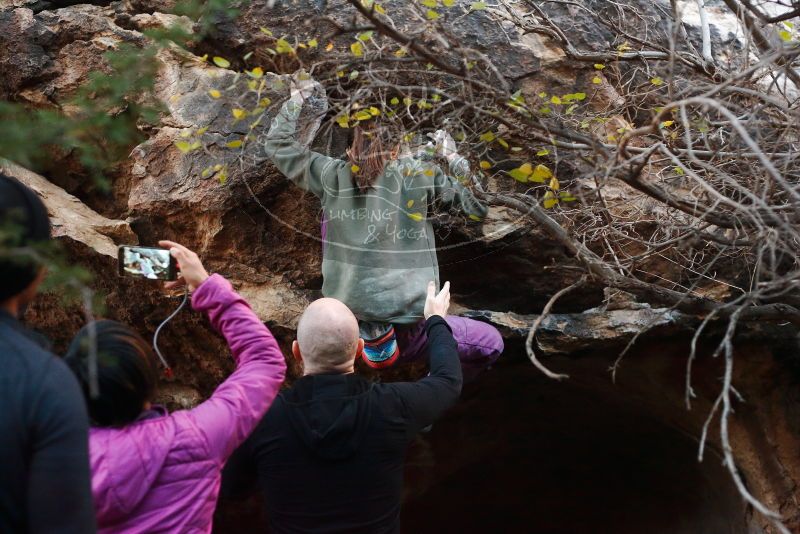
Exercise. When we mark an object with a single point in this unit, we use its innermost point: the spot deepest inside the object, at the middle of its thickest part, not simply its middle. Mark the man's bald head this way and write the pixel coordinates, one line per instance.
(328, 337)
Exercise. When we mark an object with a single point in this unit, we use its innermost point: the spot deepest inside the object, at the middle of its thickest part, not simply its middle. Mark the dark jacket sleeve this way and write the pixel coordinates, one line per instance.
(59, 488)
(240, 475)
(426, 400)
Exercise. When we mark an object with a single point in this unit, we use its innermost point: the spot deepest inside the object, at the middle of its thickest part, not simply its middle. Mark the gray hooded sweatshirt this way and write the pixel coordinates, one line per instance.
(380, 250)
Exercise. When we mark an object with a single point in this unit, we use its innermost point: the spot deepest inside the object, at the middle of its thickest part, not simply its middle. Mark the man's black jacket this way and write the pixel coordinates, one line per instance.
(329, 454)
(44, 441)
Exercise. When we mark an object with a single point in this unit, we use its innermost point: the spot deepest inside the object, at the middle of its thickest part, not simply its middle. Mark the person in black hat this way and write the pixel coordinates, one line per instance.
(44, 426)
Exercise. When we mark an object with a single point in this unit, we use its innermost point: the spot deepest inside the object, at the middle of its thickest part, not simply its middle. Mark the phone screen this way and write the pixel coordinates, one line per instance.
(147, 262)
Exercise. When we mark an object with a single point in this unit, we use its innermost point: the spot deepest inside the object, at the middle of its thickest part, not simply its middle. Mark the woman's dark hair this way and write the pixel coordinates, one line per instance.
(23, 223)
(126, 372)
(372, 146)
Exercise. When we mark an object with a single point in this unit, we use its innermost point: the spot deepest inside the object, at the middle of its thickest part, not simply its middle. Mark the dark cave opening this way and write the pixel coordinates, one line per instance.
(523, 453)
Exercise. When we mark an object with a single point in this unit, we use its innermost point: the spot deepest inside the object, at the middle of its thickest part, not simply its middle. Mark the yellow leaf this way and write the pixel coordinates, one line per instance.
(555, 100)
(329, 47)
(407, 101)
(239, 114)
(401, 52)
(596, 80)
(656, 81)
(183, 146)
(599, 66)
(518, 175)
(474, 217)
(448, 3)
(364, 36)
(379, 9)
(429, 3)
(282, 46)
(265, 31)
(252, 85)
(543, 152)
(667, 124)
(410, 204)
(394, 101)
(354, 169)
(541, 173)
(554, 185)
(526, 169)
(415, 216)
(264, 102)
(502, 142)
(234, 144)
(222, 176)
(550, 202)
(340, 74)
(542, 95)
(432, 15)
(785, 35)
(256, 73)
(485, 165)
(428, 172)
(477, 6)
(374, 111)
(221, 62)
(362, 115)
(357, 49)
(201, 131)
(488, 137)
(313, 43)
(342, 120)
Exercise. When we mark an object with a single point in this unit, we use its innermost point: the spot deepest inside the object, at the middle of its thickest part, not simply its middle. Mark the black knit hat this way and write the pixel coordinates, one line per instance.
(22, 208)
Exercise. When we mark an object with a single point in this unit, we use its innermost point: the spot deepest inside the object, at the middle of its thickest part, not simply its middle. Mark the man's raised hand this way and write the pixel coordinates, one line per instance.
(437, 304)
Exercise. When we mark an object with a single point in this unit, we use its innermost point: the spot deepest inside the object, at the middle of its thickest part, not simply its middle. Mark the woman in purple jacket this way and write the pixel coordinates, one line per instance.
(159, 472)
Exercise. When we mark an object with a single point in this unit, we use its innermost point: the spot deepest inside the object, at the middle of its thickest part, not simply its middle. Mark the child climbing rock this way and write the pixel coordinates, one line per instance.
(378, 241)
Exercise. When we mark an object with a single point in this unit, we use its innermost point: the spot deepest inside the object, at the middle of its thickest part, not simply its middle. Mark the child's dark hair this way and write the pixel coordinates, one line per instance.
(126, 368)
(23, 223)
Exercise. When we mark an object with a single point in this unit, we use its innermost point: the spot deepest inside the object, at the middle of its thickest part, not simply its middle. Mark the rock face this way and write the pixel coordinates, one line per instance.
(71, 219)
(263, 233)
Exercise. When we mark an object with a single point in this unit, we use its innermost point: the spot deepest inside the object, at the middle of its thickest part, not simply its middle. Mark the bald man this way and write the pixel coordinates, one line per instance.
(328, 456)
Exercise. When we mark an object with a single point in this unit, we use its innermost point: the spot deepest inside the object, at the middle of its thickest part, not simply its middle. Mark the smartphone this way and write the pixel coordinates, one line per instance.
(147, 262)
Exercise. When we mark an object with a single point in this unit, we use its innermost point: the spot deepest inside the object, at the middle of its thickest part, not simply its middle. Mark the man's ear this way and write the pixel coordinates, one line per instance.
(296, 351)
(359, 347)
